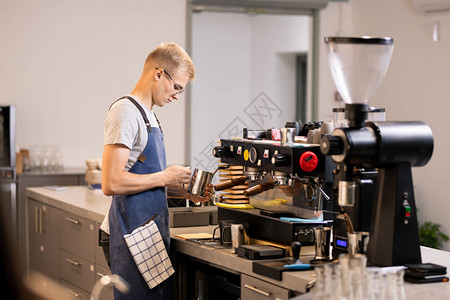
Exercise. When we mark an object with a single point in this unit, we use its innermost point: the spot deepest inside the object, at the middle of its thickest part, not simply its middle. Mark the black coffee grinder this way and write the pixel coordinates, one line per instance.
(372, 179)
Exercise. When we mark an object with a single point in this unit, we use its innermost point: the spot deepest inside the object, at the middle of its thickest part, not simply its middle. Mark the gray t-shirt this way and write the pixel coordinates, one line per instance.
(124, 125)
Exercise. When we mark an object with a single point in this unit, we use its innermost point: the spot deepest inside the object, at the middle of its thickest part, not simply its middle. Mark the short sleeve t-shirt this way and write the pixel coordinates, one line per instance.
(125, 125)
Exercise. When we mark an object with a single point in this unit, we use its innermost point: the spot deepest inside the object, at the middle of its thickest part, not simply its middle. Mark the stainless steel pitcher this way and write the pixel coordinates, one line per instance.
(200, 179)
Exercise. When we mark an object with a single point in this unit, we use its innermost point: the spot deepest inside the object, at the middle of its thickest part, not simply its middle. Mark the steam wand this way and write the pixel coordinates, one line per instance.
(107, 280)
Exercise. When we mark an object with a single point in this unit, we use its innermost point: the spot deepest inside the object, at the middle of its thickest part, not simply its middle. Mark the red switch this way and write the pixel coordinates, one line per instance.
(407, 211)
(308, 161)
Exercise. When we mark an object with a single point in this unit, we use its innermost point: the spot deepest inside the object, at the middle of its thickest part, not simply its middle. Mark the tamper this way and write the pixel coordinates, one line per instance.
(296, 262)
(296, 246)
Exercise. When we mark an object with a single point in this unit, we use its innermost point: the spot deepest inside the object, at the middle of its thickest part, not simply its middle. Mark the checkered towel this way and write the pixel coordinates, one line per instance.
(150, 254)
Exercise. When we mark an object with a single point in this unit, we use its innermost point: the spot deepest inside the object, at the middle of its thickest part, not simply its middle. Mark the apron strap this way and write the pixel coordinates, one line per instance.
(141, 110)
(159, 124)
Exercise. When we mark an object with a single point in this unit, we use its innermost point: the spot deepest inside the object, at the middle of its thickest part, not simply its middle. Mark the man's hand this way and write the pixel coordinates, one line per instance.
(180, 192)
(176, 176)
(209, 192)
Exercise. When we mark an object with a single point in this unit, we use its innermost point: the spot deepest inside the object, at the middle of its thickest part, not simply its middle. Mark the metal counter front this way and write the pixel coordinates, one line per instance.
(224, 259)
(300, 280)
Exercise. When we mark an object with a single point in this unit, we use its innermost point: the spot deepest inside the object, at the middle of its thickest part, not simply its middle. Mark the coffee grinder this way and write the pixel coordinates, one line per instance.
(372, 179)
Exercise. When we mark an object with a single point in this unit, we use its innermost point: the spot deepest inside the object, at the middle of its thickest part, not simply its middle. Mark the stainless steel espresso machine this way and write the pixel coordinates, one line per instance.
(285, 185)
(372, 179)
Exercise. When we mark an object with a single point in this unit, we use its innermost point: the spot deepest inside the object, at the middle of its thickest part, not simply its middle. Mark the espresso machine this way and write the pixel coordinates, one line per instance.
(271, 167)
(372, 178)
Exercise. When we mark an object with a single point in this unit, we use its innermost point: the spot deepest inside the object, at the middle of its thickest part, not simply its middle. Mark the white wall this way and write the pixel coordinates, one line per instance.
(243, 62)
(276, 40)
(62, 63)
(416, 86)
(335, 20)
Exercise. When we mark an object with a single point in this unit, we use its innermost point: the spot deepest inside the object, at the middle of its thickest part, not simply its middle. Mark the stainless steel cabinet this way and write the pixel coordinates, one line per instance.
(43, 238)
(64, 246)
(77, 271)
(254, 288)
(76, 292)
(34, 179)
(78, 235)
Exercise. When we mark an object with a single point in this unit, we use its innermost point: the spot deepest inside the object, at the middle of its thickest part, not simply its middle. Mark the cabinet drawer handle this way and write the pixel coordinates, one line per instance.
(72, 220)
(73, 262)
(73, 293)
(36, 214)
(100, 274)
(40, 221)
(257, 290)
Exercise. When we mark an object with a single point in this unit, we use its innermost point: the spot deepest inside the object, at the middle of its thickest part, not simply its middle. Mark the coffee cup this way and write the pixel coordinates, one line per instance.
(288, 135)
(225, 232)
(357, 242)
(237, 236)
(322, 242)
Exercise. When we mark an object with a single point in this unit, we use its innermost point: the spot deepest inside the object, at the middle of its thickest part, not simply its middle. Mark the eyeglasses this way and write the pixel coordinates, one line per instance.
(176, 87)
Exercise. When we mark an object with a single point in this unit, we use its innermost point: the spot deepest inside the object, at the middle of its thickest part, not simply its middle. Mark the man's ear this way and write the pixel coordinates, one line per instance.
(158, 73)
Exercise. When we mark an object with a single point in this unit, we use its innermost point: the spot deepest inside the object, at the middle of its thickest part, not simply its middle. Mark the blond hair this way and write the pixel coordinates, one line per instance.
(170, 57)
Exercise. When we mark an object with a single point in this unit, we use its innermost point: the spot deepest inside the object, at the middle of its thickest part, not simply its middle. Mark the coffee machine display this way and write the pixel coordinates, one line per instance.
(286, 182)
(372, 179)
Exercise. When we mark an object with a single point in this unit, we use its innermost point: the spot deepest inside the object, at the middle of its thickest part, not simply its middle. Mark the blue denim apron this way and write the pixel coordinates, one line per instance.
(129, 212)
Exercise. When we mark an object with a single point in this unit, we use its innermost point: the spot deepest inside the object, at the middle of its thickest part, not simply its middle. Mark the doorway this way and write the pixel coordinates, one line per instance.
(252, 72)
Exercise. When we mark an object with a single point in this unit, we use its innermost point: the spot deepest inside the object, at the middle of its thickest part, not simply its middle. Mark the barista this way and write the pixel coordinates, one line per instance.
(134, 165)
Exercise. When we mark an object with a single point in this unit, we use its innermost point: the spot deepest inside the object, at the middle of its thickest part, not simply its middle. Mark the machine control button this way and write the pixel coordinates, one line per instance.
(266, 153)
(308, 161)
(331, 145)
(406, 211)
(279, 159)
(219, 151)
(246, 155)
(253, 155)
(239, 150)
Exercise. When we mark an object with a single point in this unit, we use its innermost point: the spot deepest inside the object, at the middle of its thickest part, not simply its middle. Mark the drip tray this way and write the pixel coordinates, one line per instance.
(192, 216)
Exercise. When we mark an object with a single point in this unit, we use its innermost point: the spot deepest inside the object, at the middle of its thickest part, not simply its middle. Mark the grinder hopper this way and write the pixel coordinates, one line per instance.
(358, 65)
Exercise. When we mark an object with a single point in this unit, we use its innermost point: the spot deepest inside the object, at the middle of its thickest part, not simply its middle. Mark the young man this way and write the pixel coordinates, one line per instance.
(134, 165)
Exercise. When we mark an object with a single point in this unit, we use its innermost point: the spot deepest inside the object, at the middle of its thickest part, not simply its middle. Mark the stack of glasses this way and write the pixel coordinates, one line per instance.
(351, 280)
